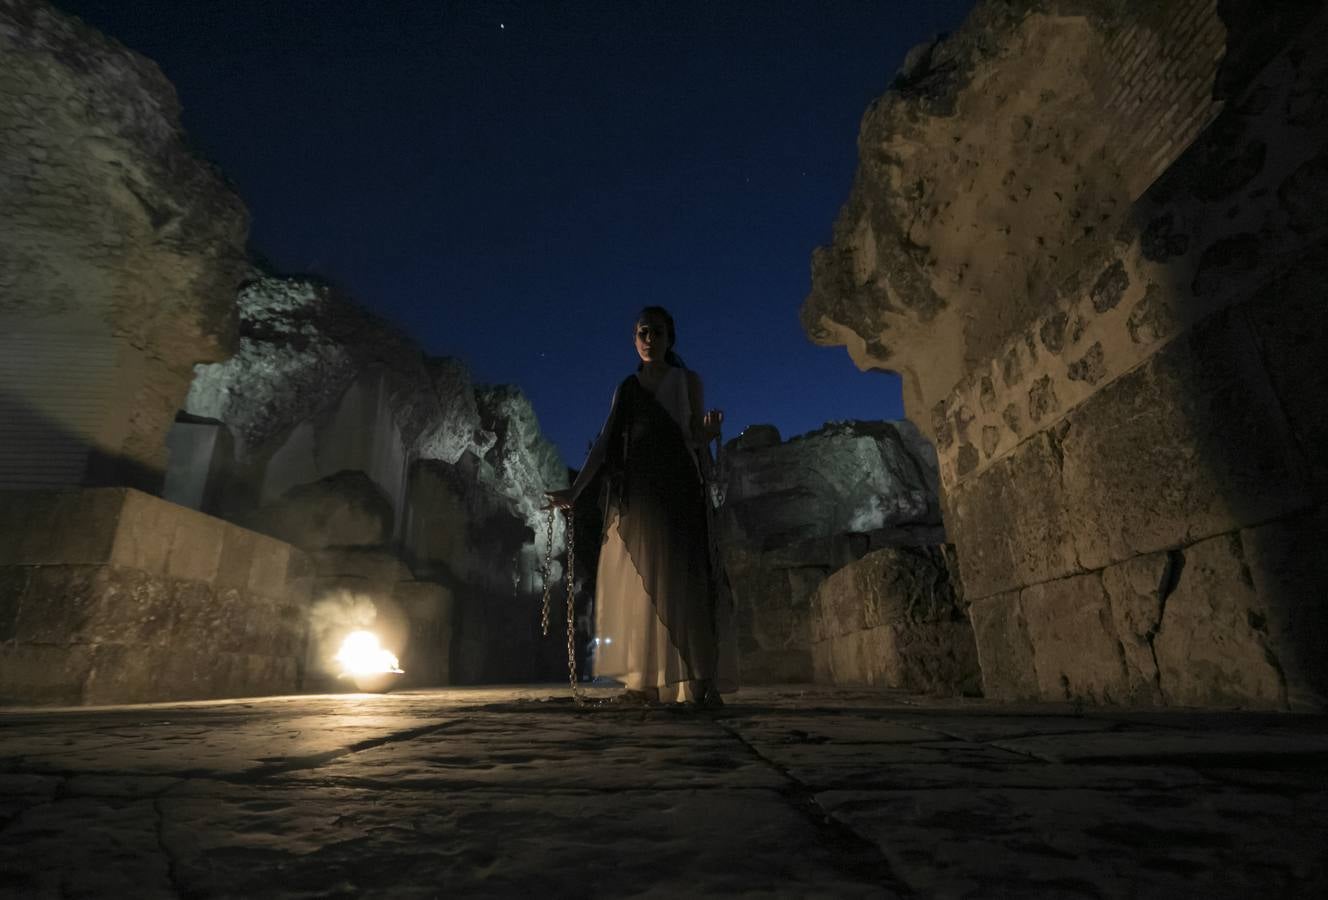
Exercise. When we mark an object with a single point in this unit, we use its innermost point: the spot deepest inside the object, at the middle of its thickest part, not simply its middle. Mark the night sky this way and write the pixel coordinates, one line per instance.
(510, 182)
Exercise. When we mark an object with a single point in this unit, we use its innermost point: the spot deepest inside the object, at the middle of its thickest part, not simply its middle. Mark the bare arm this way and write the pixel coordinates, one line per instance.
(705, 424)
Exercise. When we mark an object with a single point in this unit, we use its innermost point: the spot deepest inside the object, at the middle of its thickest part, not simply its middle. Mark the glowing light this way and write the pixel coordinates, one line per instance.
(361, 654)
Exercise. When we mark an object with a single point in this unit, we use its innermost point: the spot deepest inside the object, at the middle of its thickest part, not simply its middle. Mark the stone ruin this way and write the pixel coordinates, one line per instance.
(315, 469)
(1091, 238)
(836, 558)
(1088, 233)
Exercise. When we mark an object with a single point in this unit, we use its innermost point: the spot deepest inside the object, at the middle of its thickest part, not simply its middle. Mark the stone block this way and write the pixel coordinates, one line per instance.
(893, 618)
(1004, 650)
(372, 565)
(44, 674)
(1190, 445)
(342, 510)
(59, 527)
(1290, 321)
(13, 584)
(92, 604)
(269, 567)
(1290, 573)
(426, 653)
(776, 666)
(889, 585)
(121, 674)
(146, 534)
(1213, 645)
(424, 601)
(237, 558)
(196, 546)
(939, 658)
(1011, 523)
(1076, 655)
(1135, 590)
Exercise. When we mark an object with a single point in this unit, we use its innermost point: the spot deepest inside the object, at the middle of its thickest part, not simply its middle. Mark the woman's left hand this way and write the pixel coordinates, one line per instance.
(711, 424)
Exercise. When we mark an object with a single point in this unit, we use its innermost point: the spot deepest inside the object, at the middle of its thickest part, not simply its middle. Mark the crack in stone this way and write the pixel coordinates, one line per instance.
(1167, 584)
(864, 857)
(314, 760)
(172, 864)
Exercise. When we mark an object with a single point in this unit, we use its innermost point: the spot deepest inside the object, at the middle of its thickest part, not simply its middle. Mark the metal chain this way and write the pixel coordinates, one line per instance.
(571, 595)
(548, 570)
(571, 604)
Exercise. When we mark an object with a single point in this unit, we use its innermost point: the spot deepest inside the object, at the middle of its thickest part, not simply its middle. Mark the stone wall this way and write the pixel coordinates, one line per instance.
(799, 510)
(119, 257)
(1112, 214)
(113, 596)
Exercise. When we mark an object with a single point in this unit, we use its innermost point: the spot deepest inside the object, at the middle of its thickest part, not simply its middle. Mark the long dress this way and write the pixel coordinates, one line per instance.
(662, 622)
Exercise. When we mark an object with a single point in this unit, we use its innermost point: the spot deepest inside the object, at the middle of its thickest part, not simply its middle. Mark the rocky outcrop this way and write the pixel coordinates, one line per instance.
(120, 253)
(1085, 235)
(796, 511)
(348, 439)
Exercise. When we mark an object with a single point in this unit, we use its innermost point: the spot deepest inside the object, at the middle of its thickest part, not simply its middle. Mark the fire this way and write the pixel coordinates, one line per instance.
(361, 654)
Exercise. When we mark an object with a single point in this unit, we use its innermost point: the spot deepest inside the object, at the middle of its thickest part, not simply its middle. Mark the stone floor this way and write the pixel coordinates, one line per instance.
(788, 791)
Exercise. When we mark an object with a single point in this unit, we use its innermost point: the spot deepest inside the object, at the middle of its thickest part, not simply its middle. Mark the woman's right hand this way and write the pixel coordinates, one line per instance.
(560, 499)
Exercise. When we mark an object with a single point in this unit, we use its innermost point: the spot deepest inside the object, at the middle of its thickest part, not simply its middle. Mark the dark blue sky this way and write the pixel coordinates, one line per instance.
(510, 182)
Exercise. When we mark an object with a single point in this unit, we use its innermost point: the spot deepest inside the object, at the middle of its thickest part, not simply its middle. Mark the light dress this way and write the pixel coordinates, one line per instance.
(634, 641)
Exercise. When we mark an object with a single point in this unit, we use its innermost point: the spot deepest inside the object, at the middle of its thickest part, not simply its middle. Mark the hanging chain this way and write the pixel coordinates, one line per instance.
(571, 604)
(548, 570)
(571, 594)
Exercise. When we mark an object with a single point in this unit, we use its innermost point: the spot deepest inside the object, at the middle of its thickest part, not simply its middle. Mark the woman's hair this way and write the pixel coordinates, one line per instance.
(660, 312)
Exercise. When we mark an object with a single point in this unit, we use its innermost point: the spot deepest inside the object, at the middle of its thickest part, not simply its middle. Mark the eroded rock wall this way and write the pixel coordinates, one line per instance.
(347, 440)
(1092, 238)
(120, 253)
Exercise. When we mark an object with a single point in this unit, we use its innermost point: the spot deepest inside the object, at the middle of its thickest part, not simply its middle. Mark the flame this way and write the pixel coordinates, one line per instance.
(360, 654)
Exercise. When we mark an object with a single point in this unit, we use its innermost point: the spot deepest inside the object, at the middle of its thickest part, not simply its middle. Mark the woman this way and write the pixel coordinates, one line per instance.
(659, 620)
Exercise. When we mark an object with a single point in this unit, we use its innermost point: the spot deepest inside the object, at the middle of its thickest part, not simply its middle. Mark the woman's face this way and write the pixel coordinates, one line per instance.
(652, 338)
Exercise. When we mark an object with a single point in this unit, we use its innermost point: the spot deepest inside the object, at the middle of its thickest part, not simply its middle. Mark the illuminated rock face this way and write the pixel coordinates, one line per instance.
(347, 440)
(120, 254)
(1092, 239)
(797, 511)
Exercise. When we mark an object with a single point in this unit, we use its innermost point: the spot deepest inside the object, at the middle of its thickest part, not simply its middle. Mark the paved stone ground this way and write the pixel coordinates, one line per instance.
(787, 791)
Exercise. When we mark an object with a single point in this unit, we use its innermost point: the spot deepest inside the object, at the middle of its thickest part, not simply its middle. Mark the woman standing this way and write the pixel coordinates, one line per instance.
(661, 627)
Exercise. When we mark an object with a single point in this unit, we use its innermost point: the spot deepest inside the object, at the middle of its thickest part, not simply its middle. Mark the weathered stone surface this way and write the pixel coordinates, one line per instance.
(1004, 650)
(1228, 457)
(774, 614)
(845, 477)
(343, 510)
(346, 434)
(995, 170)
(292, 797)
(1290, 325)
(120, 255)
(1076, 654)
(895, 618)
(1001, 549)
(797, 511)
(757, 437)
(1284, 560)
(1112, 329)
(1213, 645)
(1137, 588)
(210, 611)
